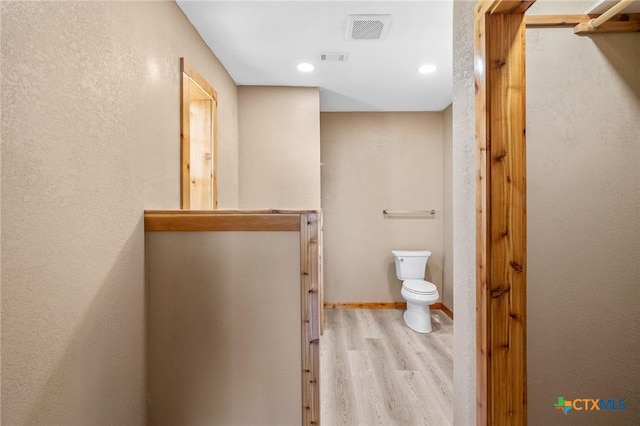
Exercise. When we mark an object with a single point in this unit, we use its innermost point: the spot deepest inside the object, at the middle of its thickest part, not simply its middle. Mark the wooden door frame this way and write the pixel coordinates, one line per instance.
(501, 234)
(188, 74)
(499, 69)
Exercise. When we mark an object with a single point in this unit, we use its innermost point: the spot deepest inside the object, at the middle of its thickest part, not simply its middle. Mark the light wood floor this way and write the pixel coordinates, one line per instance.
(377, 371)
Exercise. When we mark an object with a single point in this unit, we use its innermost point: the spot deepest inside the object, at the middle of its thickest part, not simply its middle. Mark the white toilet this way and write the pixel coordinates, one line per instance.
(419, 294)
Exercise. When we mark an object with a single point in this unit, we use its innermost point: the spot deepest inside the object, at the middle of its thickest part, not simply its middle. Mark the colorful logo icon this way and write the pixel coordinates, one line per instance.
(589, 404)
(563, 405)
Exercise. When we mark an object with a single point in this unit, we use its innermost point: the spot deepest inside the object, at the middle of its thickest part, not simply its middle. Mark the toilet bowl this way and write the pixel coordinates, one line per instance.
(419, 294)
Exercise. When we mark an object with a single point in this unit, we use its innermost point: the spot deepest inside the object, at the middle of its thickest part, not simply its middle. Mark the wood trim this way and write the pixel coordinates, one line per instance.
(448, 312)
(583, 28)
(533, 21)
(499, 7)
(501, 219)
(215, 152)
(223, 212)
(206, 221)
(382, 305)
(321, 271)
(186, 68)
(554, 20)
(365, 305)
(185, 148)
(481, 220)
(189, 74)
(310, 314)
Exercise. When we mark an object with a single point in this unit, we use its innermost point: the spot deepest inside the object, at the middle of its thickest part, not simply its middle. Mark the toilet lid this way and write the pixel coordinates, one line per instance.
(420, 287)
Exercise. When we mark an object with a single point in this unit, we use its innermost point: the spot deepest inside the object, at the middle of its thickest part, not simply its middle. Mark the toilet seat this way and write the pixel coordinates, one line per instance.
(421, 287)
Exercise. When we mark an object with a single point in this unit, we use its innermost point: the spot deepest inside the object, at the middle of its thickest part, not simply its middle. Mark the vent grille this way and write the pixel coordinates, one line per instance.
(368, 27)
(366, 30)
(334, 57)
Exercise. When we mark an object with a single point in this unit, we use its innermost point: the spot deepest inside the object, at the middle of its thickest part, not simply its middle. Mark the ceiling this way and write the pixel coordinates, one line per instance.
(261, 42)
(602, 6)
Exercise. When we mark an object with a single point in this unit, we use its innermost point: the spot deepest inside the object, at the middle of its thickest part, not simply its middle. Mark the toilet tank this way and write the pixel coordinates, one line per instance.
(410, 265)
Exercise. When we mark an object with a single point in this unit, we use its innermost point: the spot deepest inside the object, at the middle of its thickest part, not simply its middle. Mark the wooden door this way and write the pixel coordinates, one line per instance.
(201, 153)
(198, 142)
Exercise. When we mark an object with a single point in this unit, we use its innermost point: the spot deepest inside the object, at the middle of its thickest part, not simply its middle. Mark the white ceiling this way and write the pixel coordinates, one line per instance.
(602, 6)
(261, 42)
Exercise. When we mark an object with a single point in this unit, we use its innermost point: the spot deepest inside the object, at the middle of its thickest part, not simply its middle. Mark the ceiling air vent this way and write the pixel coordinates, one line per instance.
(367, 27)
(334, 57)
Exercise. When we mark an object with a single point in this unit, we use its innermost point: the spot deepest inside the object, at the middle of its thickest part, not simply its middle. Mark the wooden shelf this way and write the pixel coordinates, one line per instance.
(625, 22)
(555, 20)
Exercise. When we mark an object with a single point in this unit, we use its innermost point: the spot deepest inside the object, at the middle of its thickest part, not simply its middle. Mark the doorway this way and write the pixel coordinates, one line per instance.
(198, 124)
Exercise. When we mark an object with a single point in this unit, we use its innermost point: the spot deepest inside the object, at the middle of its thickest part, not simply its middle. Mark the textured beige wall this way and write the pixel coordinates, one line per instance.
(279, 147)
(224, 328)
(372, 162)
(90, 137)
(447, 207)
(464, 217)
(583, 251)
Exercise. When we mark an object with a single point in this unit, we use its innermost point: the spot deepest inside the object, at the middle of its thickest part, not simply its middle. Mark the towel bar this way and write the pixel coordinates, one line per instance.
(410, 212)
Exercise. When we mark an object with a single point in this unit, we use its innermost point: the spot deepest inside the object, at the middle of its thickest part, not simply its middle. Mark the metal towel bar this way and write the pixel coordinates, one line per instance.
(410, 212)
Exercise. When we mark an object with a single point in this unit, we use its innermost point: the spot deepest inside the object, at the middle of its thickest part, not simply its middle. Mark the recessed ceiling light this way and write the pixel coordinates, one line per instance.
(306, 67)
(427, 69)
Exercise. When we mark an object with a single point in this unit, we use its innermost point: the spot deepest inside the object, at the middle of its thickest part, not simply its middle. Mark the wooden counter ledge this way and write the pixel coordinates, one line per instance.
(223, 220)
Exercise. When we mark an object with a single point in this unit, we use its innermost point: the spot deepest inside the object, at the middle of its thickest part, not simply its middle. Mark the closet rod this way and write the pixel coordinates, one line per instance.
(614, 10)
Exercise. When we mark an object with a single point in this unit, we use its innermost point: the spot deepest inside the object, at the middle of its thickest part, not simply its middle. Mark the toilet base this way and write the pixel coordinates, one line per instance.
(418, 318)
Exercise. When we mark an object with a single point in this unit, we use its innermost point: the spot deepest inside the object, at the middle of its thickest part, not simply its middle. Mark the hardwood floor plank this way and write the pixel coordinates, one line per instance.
(339, 394)
(368, 324)
(370, 399)
(398, 411)
(377, 371)
(427, 407)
